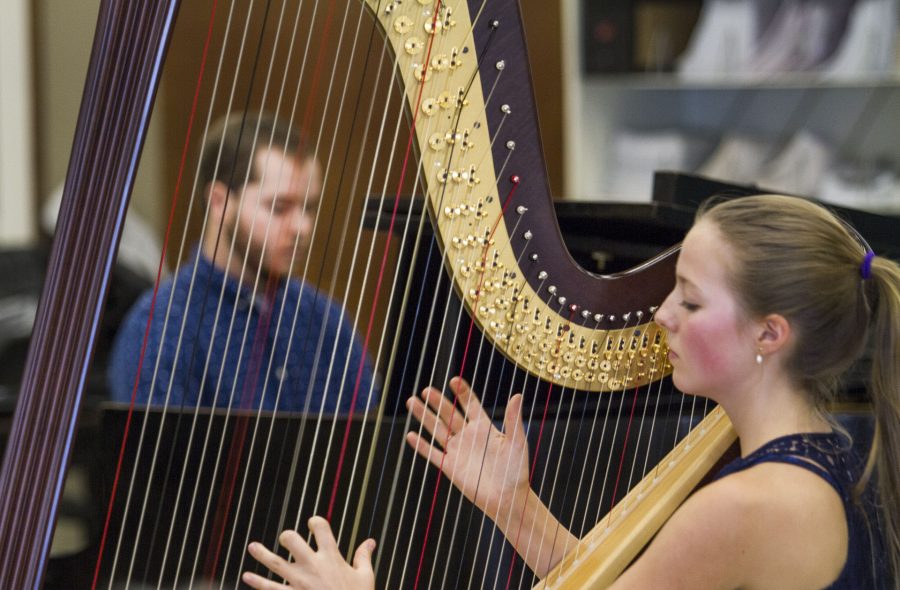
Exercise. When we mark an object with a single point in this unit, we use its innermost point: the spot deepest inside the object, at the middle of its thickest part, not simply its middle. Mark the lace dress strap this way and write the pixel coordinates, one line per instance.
(820, 453)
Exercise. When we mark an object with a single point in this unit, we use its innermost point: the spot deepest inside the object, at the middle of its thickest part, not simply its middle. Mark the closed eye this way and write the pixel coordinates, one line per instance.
(690, 306)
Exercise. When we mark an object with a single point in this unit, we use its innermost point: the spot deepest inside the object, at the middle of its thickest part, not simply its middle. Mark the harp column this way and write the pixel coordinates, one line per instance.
(126, 61)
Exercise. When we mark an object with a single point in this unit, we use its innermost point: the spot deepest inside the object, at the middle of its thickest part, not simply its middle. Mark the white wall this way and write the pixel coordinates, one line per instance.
(17, 171)
(64, 34)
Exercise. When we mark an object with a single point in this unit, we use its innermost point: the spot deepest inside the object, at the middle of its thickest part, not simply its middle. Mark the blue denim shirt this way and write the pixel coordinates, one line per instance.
(307, 359)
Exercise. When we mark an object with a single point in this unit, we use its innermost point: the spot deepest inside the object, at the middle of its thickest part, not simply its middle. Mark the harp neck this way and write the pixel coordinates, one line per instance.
(468, 87)
(612, 545)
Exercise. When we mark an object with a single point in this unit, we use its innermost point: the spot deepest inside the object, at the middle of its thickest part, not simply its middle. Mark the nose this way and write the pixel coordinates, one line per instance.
(299, 221)
(664, 315)
(304, 223)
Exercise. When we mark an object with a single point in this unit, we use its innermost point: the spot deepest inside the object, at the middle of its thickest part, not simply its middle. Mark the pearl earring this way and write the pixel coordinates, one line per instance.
(759, 358)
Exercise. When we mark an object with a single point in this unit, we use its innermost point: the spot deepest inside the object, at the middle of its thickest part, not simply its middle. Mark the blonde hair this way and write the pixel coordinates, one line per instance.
(795, 258)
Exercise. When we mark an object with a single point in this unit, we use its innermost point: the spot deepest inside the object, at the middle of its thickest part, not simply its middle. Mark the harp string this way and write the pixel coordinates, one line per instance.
(495, 526)
(395, 208)
(378, 285)
(432, 379)
(534, 397)
(569, 478)
(420, 92)
(555, 478)
(311, 98)
(251, 379)
(369, 258)
(220, 64)
(354, 259)
(178, 345)
(462, 370)
(265, 391)
(465, 353)
(533, 469)
(329, 370)
(121, 454)
(329, 160)
(257, 363)
(191, 202)
(475, 372)
(596, 454)
(622, 457)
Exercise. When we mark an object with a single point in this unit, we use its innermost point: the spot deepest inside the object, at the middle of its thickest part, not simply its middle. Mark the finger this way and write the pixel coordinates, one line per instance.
(260, 583)
(429, 420)
(425, 449)
(297, 545)
(444, 408)
(321, 530)
(512, 420)
(467, 398)
(362, 559)
(269, 559)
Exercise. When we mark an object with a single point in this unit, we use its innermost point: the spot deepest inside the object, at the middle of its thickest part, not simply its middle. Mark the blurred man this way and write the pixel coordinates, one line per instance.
(214, 340)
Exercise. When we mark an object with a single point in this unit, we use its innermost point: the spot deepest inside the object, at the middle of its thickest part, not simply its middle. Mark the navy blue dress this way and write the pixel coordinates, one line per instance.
(831, 457)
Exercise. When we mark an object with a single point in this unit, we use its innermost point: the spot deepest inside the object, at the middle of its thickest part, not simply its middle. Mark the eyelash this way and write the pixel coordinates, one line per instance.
(690, 306)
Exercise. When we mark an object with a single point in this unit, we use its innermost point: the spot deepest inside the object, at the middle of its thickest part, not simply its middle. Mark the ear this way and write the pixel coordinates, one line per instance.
(774, 334)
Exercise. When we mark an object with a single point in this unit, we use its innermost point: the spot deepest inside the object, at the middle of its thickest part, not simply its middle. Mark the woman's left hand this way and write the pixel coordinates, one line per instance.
(325, 568)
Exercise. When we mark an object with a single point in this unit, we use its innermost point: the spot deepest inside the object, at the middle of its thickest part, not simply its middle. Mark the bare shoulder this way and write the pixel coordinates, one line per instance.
(767, 527)
(800, 529)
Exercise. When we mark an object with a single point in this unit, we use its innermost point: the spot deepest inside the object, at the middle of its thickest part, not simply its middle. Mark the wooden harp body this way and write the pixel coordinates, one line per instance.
(463, 75)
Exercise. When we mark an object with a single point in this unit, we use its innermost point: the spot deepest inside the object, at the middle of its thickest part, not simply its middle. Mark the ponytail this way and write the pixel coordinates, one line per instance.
(884, 457)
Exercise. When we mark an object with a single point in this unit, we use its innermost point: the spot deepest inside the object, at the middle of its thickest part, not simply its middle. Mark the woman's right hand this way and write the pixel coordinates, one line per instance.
(488, 466)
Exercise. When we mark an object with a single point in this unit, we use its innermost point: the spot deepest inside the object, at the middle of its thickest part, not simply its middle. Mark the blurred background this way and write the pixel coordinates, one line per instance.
(799, 95)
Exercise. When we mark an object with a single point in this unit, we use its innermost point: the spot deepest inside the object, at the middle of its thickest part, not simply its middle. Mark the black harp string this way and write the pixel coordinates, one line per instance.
(341, 319)
(282, 519)
(280, 318)
(283, 447)
(297, 450)
(191, 202)
(138, 455)
(579, 532)
(430, 323)
(482, 341)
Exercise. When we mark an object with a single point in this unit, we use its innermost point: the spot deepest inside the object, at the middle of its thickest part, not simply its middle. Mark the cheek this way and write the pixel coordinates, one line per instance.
(713, 351)
(709, 349)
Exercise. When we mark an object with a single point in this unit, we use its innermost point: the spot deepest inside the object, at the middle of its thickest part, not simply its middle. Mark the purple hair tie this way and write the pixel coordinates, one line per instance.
(865, 269)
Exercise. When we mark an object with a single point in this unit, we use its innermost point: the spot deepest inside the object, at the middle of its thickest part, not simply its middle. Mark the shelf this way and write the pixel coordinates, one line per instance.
(787, 81)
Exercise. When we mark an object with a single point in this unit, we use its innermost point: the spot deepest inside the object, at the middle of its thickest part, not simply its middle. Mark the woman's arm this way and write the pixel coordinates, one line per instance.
(490, 468)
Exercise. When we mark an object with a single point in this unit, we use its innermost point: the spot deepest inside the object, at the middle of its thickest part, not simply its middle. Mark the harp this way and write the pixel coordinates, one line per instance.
(465, 86)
